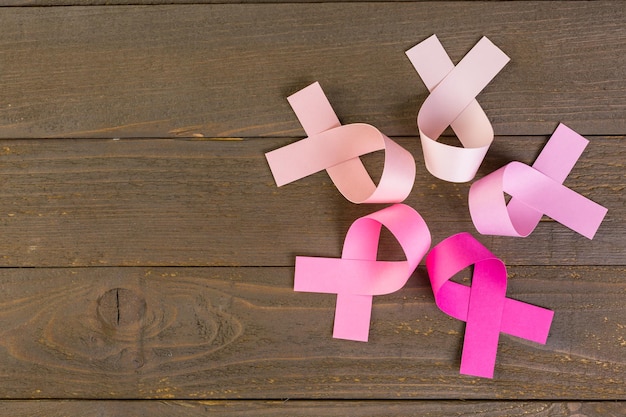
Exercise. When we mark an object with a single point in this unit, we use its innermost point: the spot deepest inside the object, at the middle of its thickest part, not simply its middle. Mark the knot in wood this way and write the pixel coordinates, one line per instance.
(121, 307)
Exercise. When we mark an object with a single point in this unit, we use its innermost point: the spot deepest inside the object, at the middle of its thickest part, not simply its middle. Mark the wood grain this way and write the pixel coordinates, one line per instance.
(211, 203)
(313, 408)
(155, 2)
(146, 259)
(237, 333)
(225, 70)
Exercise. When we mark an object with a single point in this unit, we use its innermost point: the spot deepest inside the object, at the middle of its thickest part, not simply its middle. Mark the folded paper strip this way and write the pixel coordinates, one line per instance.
(452, 102)
(336, 149)
(483, 305)
(357, 276)
(535, 191)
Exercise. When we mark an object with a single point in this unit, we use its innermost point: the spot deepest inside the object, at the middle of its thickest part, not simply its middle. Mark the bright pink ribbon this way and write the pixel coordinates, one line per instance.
(336, 149)
(357, 276)
(452, 103)
(535, 191)
(483, 306)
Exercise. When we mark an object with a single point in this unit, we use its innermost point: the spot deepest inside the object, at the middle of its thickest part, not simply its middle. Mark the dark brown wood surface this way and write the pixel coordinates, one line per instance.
(147, 255)
(70, 202)
(228, 333)
(225, 70)
(312, 408)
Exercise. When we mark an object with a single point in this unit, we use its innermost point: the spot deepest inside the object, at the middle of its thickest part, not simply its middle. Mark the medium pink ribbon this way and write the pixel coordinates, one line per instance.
(452, 103)
(535, 191)
(483, 306)
(357, 276)
(336, 149)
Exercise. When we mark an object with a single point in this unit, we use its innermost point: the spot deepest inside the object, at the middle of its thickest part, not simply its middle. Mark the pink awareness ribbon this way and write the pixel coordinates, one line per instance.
(535, 191)
(452, 102)
(357, 276)
(483, 306)
(336, 149)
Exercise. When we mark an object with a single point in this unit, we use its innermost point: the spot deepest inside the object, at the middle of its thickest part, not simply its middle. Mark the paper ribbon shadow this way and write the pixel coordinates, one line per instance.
(336, 149)
(535, 191)
(357, 276)
(452, 103)
(483, 306)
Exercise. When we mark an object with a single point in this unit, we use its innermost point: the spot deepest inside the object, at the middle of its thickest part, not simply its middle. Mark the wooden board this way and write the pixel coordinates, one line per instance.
(243, 333)
(225, 70)
(179, 202)
(146, 259)
(312, 408)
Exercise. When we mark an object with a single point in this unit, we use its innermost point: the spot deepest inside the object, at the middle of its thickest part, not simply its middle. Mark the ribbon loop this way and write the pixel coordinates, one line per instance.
(357, 276)
(483, 306)
(535, 191)
(452, 103)
(336, 149)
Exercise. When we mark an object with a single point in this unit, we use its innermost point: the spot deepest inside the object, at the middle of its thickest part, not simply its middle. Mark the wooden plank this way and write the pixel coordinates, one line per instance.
(313, 408)
(157, 2)
(160, 2)
(225, 70)
(129, 2)
(210, 203)
(237, 333)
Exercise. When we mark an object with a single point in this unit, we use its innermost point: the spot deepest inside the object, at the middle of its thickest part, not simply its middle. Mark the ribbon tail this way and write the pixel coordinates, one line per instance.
(526, 321)
(352, 317)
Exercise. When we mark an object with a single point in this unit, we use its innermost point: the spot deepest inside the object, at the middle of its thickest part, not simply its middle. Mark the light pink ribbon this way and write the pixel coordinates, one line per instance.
(483, 306)
(357, 276)
(535, 191)
(336, 149)
(452, 103)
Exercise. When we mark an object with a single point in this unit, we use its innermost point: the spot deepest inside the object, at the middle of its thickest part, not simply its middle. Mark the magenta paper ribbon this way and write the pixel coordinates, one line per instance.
(357, 275)
(483, 306)
(452, 103)
(336, 149)
(535, 191)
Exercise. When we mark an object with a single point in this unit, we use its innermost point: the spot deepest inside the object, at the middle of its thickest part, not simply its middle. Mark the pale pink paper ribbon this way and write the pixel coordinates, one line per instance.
(452, 103)
(483, 306)
(357, 275)
(535, 191)
(336, 149)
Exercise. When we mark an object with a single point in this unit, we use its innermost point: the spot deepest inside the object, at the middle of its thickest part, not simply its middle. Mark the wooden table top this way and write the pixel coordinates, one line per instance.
(147, 254)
